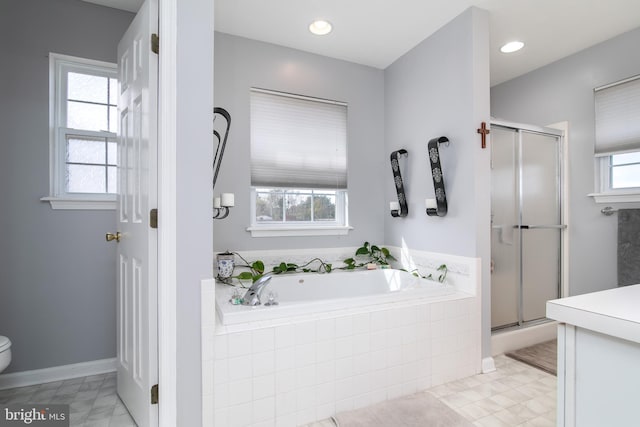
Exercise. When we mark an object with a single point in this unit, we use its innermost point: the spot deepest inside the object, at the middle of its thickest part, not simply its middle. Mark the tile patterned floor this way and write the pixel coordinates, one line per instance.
(516, 394)
(93, 400)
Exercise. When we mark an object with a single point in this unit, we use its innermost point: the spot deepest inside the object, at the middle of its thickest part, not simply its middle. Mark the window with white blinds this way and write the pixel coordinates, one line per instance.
(297, 141)
(617, 145)
(617, 113)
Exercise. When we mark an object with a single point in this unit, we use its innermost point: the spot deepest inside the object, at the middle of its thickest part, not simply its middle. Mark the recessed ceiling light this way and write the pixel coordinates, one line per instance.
(512, 47)
(320, 27)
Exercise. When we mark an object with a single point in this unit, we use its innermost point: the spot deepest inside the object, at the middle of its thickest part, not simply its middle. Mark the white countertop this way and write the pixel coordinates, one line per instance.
(614, 312)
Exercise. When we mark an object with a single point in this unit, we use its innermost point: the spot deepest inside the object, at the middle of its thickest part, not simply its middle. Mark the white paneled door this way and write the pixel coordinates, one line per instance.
(137, 347)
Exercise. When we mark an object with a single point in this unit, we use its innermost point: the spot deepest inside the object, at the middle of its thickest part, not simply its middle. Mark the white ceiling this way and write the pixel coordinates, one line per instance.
(377, 32)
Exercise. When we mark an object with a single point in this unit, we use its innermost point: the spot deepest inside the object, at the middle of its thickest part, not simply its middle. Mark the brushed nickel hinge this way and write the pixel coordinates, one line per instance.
(153, 218)
(155, 43)
(154, 394)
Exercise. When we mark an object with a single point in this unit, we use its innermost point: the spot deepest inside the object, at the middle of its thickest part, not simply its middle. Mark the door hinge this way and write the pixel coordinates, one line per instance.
(155, 43)
(154, 394)
(153, 218)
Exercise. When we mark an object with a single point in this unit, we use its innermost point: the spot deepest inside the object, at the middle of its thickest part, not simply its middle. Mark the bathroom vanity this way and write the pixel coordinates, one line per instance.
(598, 357)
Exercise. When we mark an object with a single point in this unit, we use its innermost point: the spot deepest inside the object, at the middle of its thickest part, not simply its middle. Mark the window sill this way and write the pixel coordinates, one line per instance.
(283, 231)
(60, 203)
(621, 197)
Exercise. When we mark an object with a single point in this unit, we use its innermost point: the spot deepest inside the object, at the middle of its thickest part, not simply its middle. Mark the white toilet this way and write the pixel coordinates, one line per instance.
(5, 352)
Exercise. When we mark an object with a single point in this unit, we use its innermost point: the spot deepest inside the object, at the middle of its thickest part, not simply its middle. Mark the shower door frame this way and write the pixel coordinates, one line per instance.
(557, 130)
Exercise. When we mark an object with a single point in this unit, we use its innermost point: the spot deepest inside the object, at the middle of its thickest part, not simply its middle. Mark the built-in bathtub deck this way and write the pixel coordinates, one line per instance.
(304, 367)
(303, 297)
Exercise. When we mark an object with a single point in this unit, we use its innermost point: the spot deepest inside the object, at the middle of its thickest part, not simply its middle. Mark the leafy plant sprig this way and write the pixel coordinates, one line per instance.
(366, 254)
(443, 274)
(323, 267)
(257, 268)
(375, 254)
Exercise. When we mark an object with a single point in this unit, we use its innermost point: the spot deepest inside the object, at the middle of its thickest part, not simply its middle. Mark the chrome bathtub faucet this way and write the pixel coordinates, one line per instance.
(252, 297)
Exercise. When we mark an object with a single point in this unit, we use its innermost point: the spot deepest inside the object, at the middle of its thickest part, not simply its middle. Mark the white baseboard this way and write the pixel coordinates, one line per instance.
(503, 342)
(488, 365)
(57, 373)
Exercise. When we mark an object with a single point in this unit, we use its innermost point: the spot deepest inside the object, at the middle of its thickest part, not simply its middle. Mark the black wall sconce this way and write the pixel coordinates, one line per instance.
(399, 208)
(437, 206)
(221, 204)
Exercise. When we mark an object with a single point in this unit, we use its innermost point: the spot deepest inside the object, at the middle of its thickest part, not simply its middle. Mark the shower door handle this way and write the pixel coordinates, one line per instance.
(531, 227)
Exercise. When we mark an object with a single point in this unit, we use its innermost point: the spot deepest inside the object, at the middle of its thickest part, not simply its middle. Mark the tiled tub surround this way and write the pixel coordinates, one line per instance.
(299, 369)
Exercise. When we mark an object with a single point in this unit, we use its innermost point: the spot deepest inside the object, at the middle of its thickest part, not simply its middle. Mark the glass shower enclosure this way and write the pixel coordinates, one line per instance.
(526, 223)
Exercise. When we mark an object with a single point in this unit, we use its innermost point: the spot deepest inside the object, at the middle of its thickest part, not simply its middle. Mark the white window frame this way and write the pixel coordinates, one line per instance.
(605, 193)
(301, 228)
(59, 66)
(339, 227)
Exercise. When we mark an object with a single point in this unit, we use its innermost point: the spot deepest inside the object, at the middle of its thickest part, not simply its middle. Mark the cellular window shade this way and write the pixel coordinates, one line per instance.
(297, 142)
(618, 117)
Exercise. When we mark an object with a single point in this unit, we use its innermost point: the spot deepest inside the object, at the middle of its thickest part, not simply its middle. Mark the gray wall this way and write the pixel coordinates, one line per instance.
(563, 91)
(57, 274)
(429, 93)
(194, 151)
(441, 87)
(241, 64)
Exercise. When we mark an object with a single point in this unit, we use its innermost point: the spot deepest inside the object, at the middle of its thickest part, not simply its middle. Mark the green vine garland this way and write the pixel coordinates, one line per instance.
(365, 255)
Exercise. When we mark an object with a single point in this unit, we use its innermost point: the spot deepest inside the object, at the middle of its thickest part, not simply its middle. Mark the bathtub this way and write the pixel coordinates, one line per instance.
(308, 293)
(337, 342)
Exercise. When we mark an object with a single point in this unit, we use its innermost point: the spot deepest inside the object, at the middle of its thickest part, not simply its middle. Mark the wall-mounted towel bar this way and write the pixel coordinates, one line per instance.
(397, 180)
(438, 178)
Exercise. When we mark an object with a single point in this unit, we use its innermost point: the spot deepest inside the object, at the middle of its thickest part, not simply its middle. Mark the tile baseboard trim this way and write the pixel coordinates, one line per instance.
(57, 373)
(488, 365)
